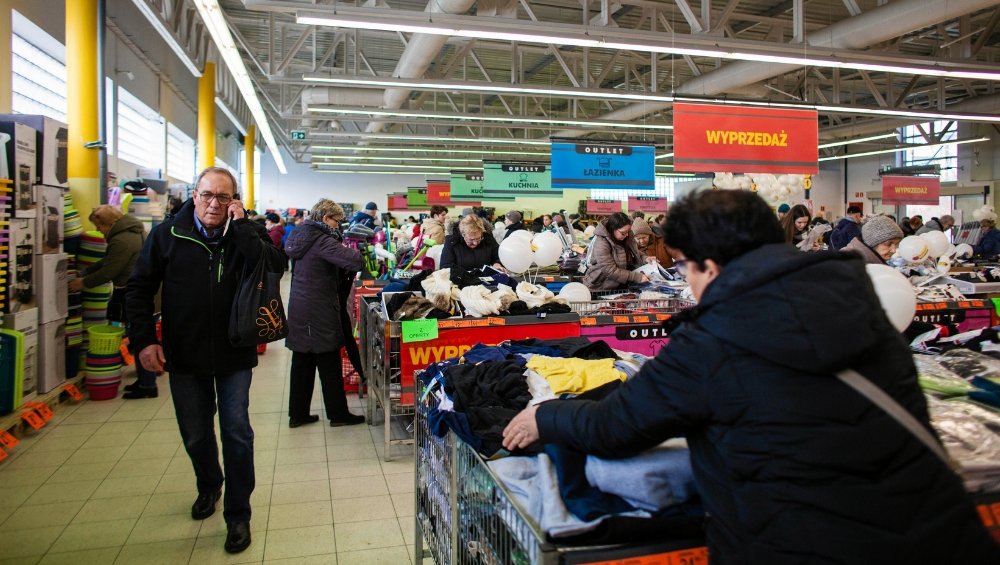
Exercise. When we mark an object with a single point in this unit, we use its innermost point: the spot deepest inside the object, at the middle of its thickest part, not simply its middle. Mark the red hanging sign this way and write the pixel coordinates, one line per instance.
(741, 139)
(603, 207)
(911, 190)
(398, 202)
(439, 192)
(648, 204)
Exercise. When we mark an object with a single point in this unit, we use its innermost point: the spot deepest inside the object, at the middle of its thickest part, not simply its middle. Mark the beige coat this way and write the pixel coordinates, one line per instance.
(432, 229)
(611, 265)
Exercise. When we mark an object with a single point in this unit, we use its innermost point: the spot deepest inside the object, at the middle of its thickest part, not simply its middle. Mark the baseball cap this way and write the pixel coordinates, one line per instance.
(371, 206)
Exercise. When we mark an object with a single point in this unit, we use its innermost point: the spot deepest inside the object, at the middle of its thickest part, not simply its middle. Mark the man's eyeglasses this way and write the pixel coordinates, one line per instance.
(681, 266)
(222, 199)
(473, 241)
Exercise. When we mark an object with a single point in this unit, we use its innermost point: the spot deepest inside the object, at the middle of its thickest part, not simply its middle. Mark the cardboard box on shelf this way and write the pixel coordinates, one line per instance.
(21, 154)
(21, 284)
(51, 355)
(49, 221)
(26, 322)
(51, 155)
(53, 290)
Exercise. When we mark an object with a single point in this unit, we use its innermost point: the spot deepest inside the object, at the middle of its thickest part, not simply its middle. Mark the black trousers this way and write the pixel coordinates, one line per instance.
(331, 378)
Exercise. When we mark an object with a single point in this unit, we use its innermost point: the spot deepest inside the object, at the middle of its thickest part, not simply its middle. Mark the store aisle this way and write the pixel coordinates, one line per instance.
(109, 482)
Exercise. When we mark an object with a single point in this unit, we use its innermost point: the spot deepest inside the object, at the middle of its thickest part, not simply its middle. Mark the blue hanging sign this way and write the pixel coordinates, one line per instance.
(606, 165)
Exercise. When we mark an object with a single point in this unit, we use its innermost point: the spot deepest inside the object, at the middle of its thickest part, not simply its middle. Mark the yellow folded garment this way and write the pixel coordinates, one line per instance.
(571, 375)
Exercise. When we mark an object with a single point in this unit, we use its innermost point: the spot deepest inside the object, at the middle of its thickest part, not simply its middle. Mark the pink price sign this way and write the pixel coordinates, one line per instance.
(603, 207)
(647, 204)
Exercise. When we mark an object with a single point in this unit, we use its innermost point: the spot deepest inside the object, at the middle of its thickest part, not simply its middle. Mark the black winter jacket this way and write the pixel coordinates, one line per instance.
(324, 269)
(793, 466)
(516, 226)
(198, 288)
(457, 254)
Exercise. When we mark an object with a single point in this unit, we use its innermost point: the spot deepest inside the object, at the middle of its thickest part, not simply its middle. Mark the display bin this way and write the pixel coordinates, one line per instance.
(968, 315)
(465, 515)
(389, 363)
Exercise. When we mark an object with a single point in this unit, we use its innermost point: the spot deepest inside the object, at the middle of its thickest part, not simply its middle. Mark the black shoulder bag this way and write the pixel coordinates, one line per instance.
(258, 316)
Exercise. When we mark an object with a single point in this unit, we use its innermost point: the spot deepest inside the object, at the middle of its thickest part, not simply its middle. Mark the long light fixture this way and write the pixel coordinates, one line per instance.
(396, 158)
(423, 150)
(215, 22)
(846, 109)
(154, 20)
(349, 172)
(464, 86)
(488, 118)
(858, 140)
(551, 33)
(403, 137)
(665, 155)
(229, 114)
(387, 165)
(898, 149)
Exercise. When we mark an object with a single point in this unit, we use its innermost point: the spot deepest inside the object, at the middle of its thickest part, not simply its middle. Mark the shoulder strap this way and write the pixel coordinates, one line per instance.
(878, 397)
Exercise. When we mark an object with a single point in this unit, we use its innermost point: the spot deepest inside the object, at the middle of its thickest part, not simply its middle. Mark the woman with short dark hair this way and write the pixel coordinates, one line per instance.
(792, 464)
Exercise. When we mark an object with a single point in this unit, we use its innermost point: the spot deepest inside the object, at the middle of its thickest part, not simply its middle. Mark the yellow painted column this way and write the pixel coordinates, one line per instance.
(206, 117)
(81, 106)
(248, 149)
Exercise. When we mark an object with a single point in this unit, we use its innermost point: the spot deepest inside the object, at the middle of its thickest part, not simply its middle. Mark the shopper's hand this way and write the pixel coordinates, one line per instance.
(652, 259)
(152, 358)
(235, 210)
(76, 285)
(644, 279)
(522, 431)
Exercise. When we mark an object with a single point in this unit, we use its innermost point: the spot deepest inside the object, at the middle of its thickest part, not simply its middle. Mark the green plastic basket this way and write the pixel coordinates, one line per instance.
(105, 339)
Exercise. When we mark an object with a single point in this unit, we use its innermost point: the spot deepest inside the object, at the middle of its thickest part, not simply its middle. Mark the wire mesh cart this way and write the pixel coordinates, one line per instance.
(466, 516)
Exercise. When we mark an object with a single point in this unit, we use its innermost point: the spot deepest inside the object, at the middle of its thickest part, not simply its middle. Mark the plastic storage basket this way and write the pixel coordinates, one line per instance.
(105, 339)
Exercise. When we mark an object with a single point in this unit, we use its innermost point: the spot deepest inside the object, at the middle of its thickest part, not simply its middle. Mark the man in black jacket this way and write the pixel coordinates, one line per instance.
(198, 257)
(793, 465)
(512, 221)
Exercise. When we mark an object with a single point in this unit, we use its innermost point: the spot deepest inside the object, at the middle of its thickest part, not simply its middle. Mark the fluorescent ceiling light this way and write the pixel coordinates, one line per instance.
(489, 118)
(154, 20)
(348, 172)
(551, 33)
(424, 150)
(403, 137)
(463, 86)
(389, 165)
(665, 155)
(859, 140)
(229, 114)
(898, 149)
(396, 158)
(215, 22)
(847, 109)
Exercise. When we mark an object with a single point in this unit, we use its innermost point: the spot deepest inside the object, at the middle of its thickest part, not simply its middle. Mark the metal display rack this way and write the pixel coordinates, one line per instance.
(466, 516)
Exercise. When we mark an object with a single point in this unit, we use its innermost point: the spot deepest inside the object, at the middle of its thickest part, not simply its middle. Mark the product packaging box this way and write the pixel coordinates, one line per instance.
(51, 355)
(26, 322)
(21, 153)
(49, 221)
(53, 289)
(50, 162)
(21, 281)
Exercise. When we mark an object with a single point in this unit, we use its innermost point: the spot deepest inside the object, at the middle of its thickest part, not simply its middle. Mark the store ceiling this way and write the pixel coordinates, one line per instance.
(585, 84)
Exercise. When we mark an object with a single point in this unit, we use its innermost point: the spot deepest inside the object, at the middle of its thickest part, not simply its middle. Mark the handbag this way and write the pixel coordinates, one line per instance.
(879, 398)
(258, 315)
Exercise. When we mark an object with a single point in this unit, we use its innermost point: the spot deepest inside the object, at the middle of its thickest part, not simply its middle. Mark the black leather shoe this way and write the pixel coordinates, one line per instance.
(141, 393)
(238, 537)
(350, 420)
(131, 387)
(296, 422)
(204, 505)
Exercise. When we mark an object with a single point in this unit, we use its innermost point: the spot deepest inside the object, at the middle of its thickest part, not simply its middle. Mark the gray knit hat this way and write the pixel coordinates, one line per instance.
(880, 229)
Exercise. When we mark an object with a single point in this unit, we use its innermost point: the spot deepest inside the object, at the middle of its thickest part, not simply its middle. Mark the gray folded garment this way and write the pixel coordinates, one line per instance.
(653, 480)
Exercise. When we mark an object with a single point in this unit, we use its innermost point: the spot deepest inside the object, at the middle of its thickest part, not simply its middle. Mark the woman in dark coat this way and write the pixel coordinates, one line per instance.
(470, 246)
(793, 465)
(323, 271)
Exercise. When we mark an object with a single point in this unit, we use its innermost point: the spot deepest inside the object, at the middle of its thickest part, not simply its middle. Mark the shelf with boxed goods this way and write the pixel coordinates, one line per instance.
(51, 355)
(22, 264)
(49, 220)
(5, 241)
(18, 164)
(52, 287)
(51, 147)
(26, 322)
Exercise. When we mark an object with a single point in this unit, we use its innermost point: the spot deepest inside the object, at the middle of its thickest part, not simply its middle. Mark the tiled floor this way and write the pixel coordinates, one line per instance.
(109, 482)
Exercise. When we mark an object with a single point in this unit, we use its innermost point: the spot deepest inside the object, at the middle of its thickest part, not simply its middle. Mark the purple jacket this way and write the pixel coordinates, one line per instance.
(323, 270)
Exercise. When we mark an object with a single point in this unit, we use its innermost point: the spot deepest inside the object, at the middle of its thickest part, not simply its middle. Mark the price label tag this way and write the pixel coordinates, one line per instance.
(693, 556)
(588, 321)
(73, 392)
(43, 410)
(497, 321)
(662, 317)
(621, 319)
(640, 319)
(33, 419)
(3, 455)
(7, 440)
(419, 330)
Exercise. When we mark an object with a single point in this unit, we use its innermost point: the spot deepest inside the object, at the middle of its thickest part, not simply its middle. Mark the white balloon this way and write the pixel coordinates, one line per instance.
(895, 293)
(548, 248)
(944, 265)
(963, 251)
(521, 235)
(435, 254)
(516, 254)
(937, 243)
(575, 292)
(913, 249)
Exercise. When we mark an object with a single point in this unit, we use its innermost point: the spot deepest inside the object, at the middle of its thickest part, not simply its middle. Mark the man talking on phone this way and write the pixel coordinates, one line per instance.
(197, 257)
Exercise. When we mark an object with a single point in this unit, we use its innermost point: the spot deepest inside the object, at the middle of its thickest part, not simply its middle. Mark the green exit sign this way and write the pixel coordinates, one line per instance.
(298, 134)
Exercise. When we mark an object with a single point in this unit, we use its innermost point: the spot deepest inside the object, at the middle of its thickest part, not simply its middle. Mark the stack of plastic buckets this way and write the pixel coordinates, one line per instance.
(95, 300)
(104, 361)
